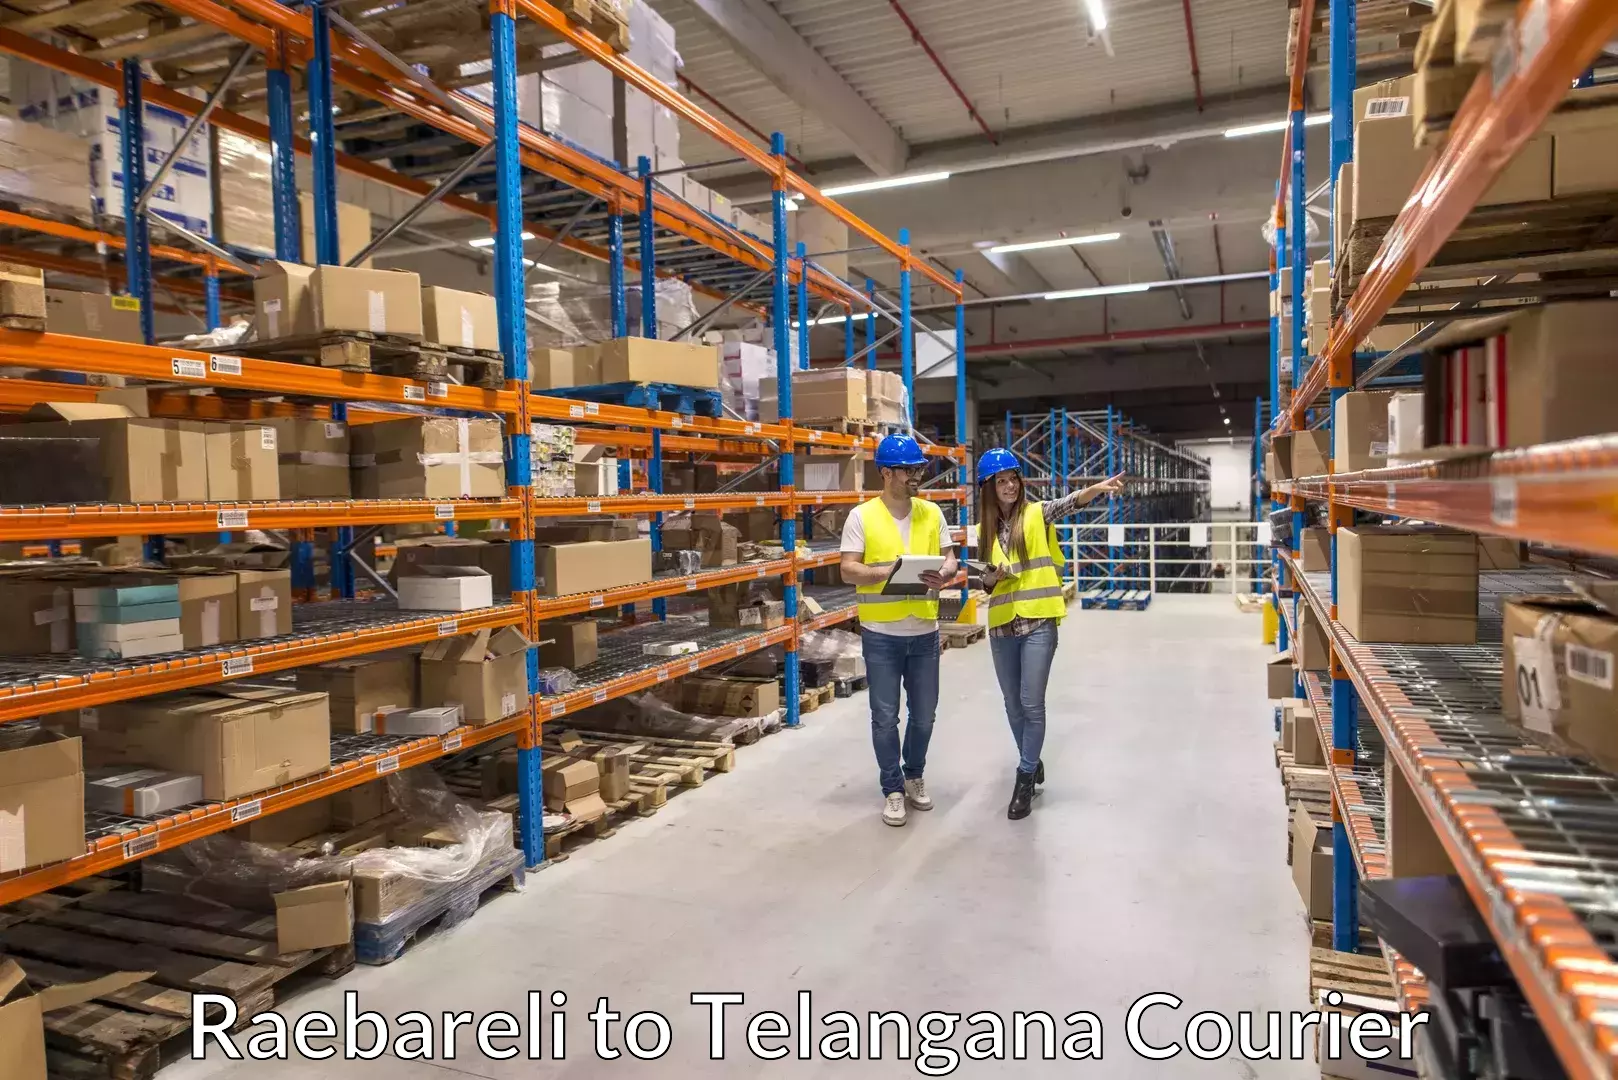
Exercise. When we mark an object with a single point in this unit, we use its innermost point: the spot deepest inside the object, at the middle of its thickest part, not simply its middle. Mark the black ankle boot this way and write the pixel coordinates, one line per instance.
(1039, 772)
(1022, 797)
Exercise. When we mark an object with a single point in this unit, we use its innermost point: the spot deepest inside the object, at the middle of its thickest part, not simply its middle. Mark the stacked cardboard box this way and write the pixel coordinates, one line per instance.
(464, 320)
(127, 621)
(312, 457)
(492, 558)
(484, 674)
(1360, 430)
(742, 367)
(292, 300)
(706, 533)
(729, 696)
(831, 394)
(590, 566)
(42, 794)
(824, 236)
(360, 687)
(1398, 583)
(429, 458)
(40, 166)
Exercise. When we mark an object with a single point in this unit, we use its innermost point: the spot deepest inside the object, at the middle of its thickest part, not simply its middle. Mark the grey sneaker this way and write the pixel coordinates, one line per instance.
(893, 811)
(916, 794)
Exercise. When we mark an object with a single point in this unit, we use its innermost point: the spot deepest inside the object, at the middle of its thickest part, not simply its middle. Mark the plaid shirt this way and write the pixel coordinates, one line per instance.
(1053, 511)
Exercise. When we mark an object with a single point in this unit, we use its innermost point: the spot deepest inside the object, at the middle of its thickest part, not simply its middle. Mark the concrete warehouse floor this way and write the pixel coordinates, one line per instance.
(1154, 861)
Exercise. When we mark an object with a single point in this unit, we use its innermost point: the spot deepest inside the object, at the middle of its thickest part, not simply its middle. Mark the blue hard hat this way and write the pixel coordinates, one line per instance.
(996, 461)
(897, 451)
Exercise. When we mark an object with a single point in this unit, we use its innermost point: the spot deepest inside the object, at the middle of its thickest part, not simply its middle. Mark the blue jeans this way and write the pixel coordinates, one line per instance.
(889, 661)
(1023, 666)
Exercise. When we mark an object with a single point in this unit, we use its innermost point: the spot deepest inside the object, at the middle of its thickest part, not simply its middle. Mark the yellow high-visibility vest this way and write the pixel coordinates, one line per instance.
(882, 545)
(1034, 591)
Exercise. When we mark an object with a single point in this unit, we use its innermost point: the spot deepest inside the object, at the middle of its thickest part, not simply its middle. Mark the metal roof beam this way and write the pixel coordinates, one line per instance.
(782, 55)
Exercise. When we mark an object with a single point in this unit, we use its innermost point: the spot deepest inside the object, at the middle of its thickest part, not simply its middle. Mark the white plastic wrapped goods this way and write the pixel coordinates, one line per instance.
(247, 211)
(575, 313)
(42, 167)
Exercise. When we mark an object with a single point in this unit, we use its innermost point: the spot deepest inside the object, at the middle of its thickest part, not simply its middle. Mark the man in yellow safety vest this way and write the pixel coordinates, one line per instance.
(899, 633)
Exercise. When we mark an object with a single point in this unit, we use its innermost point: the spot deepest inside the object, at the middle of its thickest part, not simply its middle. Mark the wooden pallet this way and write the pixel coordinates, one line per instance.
(609, 25)
(687, 400)
(32, 324)
(383, 943)
(95, 926)
(813, 697)
(960, 635)
(1116, 600)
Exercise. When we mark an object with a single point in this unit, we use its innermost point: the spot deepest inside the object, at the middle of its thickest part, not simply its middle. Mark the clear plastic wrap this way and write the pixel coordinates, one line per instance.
(43, 168)
(557, 680)
(651, 715)
(246, 210)
(576, 312)
(829, 645)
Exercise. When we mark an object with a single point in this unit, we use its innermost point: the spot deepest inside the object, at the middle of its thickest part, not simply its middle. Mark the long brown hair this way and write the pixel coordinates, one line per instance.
(989, 520)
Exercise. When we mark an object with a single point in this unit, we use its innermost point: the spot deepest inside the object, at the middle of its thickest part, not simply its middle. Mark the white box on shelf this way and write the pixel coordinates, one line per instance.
(446, 588)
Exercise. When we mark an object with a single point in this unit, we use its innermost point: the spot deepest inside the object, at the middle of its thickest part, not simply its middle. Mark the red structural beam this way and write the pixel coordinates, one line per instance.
(1191, 43)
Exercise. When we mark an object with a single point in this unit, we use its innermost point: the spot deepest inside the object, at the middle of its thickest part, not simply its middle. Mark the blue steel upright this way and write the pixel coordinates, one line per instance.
(1344, 62)
(648, 253)
(283, 159)
(137, 234)
(907, 357)
(848, 335)
(781, 326)
(870, 325)
(615, 275)
(803, 308)
(509, 286)
(1299, 237)
(210, 285)
(322, 139)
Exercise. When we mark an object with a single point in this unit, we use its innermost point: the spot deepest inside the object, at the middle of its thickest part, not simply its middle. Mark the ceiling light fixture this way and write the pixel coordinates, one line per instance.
(1098, 15)
(1064, 241)
(885, 182)
(825, 320)
(1271, 126)
(488, 241)
(1101, 290)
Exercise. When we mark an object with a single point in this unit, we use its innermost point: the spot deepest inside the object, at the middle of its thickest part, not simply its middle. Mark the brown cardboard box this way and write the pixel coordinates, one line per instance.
(690, 478)
(373, 301)
(754, 615)
(613, 765)
(379, 893)
(243, 462)
(591, 566)
(1397, 583)
(287, 826)
(429, 458)
(755, 525)
(1306, 748)
(93, 315)
(1360, 431)
(462, 320)
(578, 530)
(485, 673)
(703, 532)
(1315, 547)
(208, 607)
(830, 472)
(1499, 553)
(1413, 847)
(730, 697)
(571, 644)
(22, 1016)
(314, 917)
(263, 603)
(42, 802)
(1558, 674)
(1311, 863)
(830, 394)
(569, 781)
(555, 369)
(281, 301)
(39, 607)
(1302, 453)
(1558, 371)
(493, 559)
(353, 229)
(1312, 652)
(1584, 160)
(1280, 677)
(886, 400)
(22, 291)
(359, 686)
(356, 805)
(313, 458)
(144, 460)
(239, 739)
(635, 359)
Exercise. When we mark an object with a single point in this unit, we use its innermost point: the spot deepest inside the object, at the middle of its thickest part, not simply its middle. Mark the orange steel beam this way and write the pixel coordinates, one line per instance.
(645, 503)
(831, 618)
(36, 523)
(89, 236)
(1489, 128)
(85, 268)
(63, 352)
(1300, 71)
(556, 607)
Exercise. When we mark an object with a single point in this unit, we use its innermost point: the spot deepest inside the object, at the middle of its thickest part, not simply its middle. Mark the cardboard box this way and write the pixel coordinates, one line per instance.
(1584, 157)
(144, 459)
(426, 720)
(361, 686)
(379, 894)
(312, 458)
(1407, 423)
(635, 359)
(755, 525)
(357, 805)
(22, 1014)
(557, 369)
(1311, 863)
(372, 301)
(730, 697)
(462, 320)
(690, 478)
(613, 762)
(1397, 583)
(1557, 653)
(22, 291)
(140, 792)
(93, 315)
(591, 566)
(208, 607)
(429, 458)
(1280, 677)
(1558, 371)
(1413, 847)
(281, 302)
(263, 603)
(1342, 220)
(756, 615)
(288, 826)
(829, 394)
(1315, 547)
(1499, 553)
(578, 530)
(830, 472)
(42, 802)
(570, 781)
(314, 917)
(492, 558)
(1312, 651)
(239, 739)
(243, 462)
(40, 610)
(706, 533)
(1302, 453)
(485, 673)
(353, 229)
(1306, 748)
(571, 644)
(445, 588)
(1360, 431)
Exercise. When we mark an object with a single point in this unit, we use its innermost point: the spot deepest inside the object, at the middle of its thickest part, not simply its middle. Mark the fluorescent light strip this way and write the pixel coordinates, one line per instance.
(826, 320)
(1098, 15)
(488, 241)
(1271, 126)
(885, 182)
(1101, 290)
(1065, 241)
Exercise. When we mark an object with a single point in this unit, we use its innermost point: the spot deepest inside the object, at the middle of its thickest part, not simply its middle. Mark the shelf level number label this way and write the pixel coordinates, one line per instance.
(599, 696)
(558, 709)
(141, 845)
(597, 601)
(690, 504)
(246, 811)
(233, 519)
(444, 512)
(388, 764)
(225, 365)
(412, 392)
(236, 665)
(448, 627)
(1503, 500)
(758, 500)
(592, 507)
(438, 389)
(1534, 672)
(451, 743)
(189, 369)
(692, 665)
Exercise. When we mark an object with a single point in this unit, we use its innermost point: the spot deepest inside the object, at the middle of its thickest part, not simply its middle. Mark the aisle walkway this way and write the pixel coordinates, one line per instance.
(1154, 861)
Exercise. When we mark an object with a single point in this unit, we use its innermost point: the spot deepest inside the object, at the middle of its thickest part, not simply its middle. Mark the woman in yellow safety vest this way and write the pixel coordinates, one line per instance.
(1024, 582)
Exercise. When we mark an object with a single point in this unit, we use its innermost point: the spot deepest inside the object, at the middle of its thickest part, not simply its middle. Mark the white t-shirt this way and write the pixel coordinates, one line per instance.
(854, 543)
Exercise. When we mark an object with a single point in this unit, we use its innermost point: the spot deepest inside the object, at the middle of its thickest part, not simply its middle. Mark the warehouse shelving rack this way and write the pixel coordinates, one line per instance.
(1523, 828)
(675, 240)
